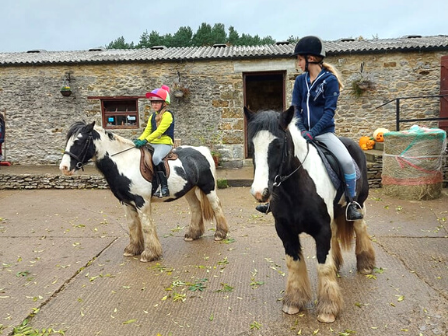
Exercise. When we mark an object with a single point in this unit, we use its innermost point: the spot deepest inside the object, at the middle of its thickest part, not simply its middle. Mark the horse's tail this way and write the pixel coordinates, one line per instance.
(345, 232)
(207, 210)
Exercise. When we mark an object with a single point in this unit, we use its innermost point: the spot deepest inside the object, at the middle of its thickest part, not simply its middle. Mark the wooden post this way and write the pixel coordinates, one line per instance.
(177, 142)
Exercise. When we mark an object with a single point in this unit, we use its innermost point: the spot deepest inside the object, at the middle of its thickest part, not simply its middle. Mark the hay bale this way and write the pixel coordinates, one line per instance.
(413, 162)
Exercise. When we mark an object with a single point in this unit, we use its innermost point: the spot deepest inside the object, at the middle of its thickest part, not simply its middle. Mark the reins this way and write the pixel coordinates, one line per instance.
(124, 150)
(279, 179)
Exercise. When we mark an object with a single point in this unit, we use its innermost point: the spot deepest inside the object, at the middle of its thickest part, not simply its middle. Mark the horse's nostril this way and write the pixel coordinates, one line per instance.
(266, 193)
(258, 196)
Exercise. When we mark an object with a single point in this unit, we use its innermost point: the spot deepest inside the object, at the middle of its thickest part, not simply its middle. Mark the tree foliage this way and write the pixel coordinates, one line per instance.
(120, 43)
(205, 35)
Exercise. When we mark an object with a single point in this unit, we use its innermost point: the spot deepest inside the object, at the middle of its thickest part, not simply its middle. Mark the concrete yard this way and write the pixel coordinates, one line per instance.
(62, 267)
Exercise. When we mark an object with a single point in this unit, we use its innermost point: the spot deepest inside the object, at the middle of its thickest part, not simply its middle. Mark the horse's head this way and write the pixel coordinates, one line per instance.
(267, 136)
(79, 148)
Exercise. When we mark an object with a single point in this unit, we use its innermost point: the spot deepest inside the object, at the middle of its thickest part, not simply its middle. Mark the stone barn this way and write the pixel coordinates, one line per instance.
(209, 87)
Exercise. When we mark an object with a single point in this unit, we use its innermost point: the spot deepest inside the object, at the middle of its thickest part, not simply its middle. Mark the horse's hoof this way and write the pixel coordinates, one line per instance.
(326, 318)
(147, 257)
(366, 271)
(131, 251)
(220, 235)
(190, 236)
(290, 310)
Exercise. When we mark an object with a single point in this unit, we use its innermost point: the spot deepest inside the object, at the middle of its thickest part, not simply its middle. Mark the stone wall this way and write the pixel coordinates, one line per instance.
(52, 181)
(38, 116)
(394, 75)
(212, 114)
(49, 181)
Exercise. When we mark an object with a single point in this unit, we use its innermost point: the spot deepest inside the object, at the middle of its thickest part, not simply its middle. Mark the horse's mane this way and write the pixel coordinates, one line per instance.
(75, 129)
(77, 126)
(264, 121)
(114, 136)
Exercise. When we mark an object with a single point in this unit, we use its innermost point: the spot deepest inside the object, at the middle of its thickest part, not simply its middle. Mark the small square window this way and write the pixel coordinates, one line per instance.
(120, 113)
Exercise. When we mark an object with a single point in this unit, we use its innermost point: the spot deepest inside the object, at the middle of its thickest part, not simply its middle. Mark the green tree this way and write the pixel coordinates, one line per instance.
(256, 40)
(206, 35)
(120, 43)
(219, 34)
(183, 37)
(245, 39)
(167, 40)
(203, 36)
(233, 36)
(144, 40)
(267, 40)
(154, 39)
(293, 39)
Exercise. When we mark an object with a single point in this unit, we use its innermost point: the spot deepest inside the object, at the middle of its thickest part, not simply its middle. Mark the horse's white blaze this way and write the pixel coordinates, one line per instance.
(261, 143)
(64, 166)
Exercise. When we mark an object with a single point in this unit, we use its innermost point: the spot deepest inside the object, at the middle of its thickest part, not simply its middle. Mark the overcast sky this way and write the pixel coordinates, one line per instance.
(57, 25)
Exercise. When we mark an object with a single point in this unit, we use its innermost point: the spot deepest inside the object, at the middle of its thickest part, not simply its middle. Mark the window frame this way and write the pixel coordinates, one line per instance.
(132, 101)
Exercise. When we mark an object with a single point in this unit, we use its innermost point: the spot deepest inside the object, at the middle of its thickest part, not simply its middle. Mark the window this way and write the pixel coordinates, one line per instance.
(120, 112)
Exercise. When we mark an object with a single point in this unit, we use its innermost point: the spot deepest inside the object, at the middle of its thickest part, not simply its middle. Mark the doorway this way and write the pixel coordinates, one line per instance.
(263, 91)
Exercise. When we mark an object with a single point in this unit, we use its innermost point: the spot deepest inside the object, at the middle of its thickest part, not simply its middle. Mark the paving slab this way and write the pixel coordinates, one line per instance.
(61, 255)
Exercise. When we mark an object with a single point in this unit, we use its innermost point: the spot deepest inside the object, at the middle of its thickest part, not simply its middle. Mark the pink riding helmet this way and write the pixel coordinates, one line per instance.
(162, 93)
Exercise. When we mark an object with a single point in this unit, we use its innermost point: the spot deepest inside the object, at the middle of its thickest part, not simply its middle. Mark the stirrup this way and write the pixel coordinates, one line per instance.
(160, 194)
(357, 216)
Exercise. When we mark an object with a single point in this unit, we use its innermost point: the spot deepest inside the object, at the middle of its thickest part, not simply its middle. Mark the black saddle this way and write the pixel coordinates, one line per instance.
(334, 169)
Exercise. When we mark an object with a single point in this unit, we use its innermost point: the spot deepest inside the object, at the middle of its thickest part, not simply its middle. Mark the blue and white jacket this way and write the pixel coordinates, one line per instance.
(316, 102)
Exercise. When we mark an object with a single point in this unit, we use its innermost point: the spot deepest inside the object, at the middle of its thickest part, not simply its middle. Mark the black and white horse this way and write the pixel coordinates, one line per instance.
(192, 175)
(290, 173)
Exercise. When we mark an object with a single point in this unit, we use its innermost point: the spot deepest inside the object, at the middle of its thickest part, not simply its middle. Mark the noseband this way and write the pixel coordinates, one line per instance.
(80, 162)
(279, 178)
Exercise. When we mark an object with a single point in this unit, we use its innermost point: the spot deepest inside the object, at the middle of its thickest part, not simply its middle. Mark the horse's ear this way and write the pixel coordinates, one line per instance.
(249, 114)
(286, 117)
(89, 127)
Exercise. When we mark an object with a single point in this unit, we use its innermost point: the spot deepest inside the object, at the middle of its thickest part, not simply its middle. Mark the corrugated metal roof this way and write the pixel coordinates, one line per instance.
(278, 50)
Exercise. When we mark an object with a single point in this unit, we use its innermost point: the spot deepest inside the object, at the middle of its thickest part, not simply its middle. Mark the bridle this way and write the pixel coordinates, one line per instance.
(80, 162)
(279, 178)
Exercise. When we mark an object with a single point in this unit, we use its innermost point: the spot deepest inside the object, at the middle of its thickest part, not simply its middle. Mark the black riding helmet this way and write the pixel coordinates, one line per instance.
(309, 45)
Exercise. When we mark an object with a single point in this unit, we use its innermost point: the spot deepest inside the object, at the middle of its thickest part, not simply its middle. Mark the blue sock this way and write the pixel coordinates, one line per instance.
(350, 180)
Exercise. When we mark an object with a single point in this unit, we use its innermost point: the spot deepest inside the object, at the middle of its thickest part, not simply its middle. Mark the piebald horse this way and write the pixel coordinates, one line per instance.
(192, 175)
(290, 173)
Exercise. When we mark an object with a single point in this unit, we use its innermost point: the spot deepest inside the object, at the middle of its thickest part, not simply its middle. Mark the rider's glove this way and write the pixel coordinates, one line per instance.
(140, 143)
(307, 136)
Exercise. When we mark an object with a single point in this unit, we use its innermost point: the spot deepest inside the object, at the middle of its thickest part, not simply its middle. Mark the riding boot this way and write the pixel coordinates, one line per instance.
(164, 192)
(353, 210)
(263, 208)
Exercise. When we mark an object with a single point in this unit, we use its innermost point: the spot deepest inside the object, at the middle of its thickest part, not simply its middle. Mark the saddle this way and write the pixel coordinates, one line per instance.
(333, 167)
(147, 166)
